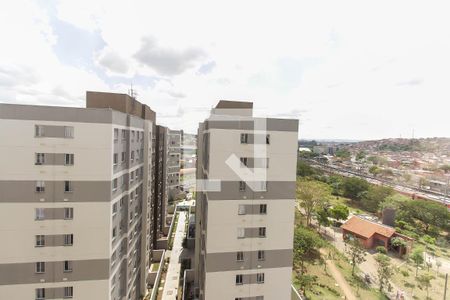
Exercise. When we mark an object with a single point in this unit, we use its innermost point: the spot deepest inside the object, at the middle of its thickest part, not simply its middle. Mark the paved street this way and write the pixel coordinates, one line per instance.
(173, 272)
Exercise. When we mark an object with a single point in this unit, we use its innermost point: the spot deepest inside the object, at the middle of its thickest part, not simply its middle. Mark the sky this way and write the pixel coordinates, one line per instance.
(346, 69)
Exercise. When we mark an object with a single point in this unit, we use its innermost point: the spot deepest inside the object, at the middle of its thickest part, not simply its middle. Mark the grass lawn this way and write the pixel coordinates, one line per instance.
(404, 278)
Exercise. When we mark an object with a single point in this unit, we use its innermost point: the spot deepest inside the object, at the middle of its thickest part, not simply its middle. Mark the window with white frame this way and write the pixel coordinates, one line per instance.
(261, 255)
(40, 186)
(40, 294)
(40, 267)
(244, 161)
(263, 209)
(114, 184)
(124, 135)
(114, 233)
(67, 266)
(69, 159)
(115, 159)
(240, 256)
(239, 279)
(116, 134)
(68, 213)
(132, 156)
(40, 240)
(68, 186)
(241, 209)
(242, 186)
(68, 240)
(68, 292)
(244, 138)
(260, 277)
(241, 233)
(39, 213)
(123, 157)
(114, 208)
(262, 231)
(40, 158)
(68, 132)
(39, 130)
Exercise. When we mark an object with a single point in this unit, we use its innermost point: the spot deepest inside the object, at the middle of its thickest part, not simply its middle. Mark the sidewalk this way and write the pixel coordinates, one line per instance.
(173, 271)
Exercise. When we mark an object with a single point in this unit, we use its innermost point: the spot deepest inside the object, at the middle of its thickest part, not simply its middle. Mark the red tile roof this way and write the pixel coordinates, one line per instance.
(366, 228)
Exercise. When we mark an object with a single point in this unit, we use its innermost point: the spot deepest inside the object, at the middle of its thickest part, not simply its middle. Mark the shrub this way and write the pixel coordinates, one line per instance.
(405, 274)
(381, 249)
(428, 239)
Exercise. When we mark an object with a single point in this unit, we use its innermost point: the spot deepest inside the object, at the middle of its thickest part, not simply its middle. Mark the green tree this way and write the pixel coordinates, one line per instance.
(354, 187)
(356, 252)
(425, 281)
(374, 170)
(307, 282)
(343, 153)
(322, 216)
(304, 169)
(384, 271)
(428, 213)
(306, 242)
(375, 196)
(360, 155)
(339, 212)
(417, 258)
(313, 196)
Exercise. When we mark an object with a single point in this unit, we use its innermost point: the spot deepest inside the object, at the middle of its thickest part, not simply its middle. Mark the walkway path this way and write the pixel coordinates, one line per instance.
(173, 271)
(340, 280)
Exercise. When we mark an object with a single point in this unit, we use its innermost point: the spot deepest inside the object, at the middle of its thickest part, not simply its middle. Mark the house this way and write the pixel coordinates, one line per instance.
(372, 234)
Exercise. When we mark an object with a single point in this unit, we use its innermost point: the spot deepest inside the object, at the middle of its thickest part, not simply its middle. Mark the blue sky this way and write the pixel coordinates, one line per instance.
(346, 69)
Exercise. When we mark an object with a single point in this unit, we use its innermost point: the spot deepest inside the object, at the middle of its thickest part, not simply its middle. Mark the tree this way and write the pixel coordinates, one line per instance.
(356, 252)
(360, 155)
(313, 196)
(322, 217)
(445, 168)
(375, 196)
(384, 271)
(343, 153)
(354, 187)
(305, 243)
(339, 212)
(417, 258)
(374, 170)
(429, 213)
(306, 282)
(304, 169)
(425, 281)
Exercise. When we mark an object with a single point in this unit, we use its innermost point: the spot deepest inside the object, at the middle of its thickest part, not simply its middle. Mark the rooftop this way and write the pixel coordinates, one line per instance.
(366, 228)
(228, 104)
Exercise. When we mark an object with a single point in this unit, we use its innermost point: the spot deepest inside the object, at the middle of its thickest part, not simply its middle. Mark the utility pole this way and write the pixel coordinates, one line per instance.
(445, 287)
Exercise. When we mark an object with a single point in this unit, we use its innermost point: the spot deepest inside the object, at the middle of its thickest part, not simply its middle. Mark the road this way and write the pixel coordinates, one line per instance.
(173, 271)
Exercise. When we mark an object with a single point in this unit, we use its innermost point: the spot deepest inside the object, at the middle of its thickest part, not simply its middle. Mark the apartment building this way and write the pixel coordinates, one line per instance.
(174, 162)
(76, 200)
(245, 205)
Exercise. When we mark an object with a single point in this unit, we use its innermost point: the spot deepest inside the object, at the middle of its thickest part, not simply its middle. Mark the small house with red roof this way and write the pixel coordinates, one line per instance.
(372, 234)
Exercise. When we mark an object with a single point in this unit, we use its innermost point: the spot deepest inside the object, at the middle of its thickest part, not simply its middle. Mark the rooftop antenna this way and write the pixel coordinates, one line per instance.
(132, 93)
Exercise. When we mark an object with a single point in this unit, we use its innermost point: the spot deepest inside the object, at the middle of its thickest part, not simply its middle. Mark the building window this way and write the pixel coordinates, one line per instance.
(114, 233)
(39, 214)
(137, 154)
(239, 279)
(116, 159)
(123, 157)
(40, 186)
(39, 130)
(69, 159)
(68, 131)
(240, 256)
(68, 240)
(242, 186)
(114, 184)
(260, 277)
(262, 232)
(40, 267)
(263, 209)
(67, 266)
(40, 294)
(261, 255)
(40, 240)
(114, 208)
(132, 176)
(244, 138)
(68, 213)
(116, 134)
(262, 186)
(241, 209)
(132, 135)
(124, 135)
(68, 186)
(40, 158)
(241, 233)
(132, 156)
(268, 139)
(244, 161)
(68, 292)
